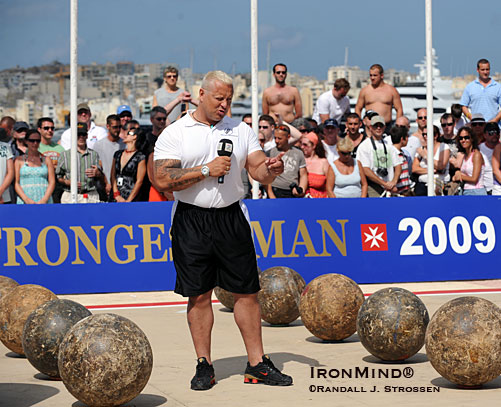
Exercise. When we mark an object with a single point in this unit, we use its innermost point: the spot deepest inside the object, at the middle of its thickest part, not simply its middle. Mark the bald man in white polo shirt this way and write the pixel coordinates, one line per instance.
(211, 236)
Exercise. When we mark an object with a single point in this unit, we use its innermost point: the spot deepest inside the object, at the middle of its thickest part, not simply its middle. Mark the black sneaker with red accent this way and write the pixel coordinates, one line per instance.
(266, 373)
(204, 377)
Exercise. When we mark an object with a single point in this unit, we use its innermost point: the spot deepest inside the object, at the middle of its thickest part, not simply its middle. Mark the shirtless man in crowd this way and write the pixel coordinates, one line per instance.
(282, 99)
(379, 96)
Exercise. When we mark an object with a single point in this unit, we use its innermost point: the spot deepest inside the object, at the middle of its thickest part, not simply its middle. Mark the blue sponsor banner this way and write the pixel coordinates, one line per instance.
(126, 247)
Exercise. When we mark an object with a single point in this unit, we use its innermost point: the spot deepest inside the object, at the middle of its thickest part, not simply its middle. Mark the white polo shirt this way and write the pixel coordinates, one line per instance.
(194, 144)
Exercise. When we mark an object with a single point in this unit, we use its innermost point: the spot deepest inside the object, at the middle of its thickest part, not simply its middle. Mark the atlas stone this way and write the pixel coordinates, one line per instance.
(45, 329)
(463, 341)
(329, 306)
(105, 360)
(6, 285)
(280, 293)
(225, 297)
(392, 323)
(15, 309)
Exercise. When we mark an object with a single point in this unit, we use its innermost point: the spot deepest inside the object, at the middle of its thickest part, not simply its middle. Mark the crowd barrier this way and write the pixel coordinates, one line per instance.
(92, 248)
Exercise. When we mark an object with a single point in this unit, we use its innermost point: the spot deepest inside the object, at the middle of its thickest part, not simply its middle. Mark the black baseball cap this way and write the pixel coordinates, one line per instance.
(18, 126)
(82, 128)
(331, 123)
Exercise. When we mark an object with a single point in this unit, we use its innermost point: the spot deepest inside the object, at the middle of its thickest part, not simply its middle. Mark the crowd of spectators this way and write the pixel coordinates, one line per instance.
(335, 154)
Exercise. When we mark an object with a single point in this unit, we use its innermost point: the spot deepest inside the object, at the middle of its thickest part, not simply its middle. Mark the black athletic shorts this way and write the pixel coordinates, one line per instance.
(213, 247)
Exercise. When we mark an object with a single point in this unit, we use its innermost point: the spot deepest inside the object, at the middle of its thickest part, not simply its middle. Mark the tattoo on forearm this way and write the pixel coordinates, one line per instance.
(171, 169)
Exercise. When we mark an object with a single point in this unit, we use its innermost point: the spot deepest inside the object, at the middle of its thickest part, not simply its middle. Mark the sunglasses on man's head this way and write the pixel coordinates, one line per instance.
(478, 124)
(32, 140)
(171, 76)
(447, 124)
(422, 117)
(47, 128)
(264, 127)
(161, 119)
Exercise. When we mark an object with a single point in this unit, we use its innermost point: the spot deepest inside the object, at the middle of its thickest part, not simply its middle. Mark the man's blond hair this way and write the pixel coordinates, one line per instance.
(216, 76)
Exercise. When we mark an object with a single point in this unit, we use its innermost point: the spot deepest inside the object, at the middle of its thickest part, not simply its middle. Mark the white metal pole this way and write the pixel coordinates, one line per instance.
(254, 93)
(429, 97)
(73, 98)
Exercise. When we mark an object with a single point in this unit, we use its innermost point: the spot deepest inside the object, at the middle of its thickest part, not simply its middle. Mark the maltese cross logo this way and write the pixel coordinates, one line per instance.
(374, 237)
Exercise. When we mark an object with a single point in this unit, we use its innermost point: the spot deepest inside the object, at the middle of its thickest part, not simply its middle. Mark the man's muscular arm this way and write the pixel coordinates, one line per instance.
(397, 103)
(263, 169)
(360, 103)
(169, 175)
(298, 105)
(264, 106)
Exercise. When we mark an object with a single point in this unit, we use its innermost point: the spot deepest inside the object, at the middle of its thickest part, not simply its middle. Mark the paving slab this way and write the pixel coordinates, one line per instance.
(292, 348)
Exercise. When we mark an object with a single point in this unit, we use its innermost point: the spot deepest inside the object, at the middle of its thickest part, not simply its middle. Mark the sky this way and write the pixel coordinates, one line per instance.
(308, 36)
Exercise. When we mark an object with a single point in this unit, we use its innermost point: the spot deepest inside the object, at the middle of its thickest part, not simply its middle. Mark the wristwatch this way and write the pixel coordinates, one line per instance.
(205, 171)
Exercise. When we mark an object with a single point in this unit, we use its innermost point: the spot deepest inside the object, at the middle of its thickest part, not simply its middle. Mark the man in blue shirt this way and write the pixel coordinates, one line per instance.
(483, 95)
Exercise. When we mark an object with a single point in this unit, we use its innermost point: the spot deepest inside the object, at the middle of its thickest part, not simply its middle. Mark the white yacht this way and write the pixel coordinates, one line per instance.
(413, 94)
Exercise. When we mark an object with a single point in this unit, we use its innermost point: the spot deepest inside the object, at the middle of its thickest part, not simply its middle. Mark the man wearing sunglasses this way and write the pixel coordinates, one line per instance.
(267, 127)
(48, 148)
(106, 149)
(158, 119)
(282, 99)
(170, 97)
(483, 95)
(448, 136)
(477, 124)
(447, 125)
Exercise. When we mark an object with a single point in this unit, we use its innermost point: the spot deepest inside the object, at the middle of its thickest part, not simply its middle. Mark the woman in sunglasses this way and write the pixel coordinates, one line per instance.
(35, 178)
(471, 174)
(129, 168)
(441, 155)
(320, 174)
(349, 175)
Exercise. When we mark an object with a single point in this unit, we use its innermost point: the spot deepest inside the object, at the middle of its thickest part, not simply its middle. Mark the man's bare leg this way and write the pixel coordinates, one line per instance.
(247, 315)
(200, 322)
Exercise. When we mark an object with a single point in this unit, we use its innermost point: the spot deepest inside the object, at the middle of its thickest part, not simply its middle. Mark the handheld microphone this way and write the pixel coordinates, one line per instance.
(224, 149)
